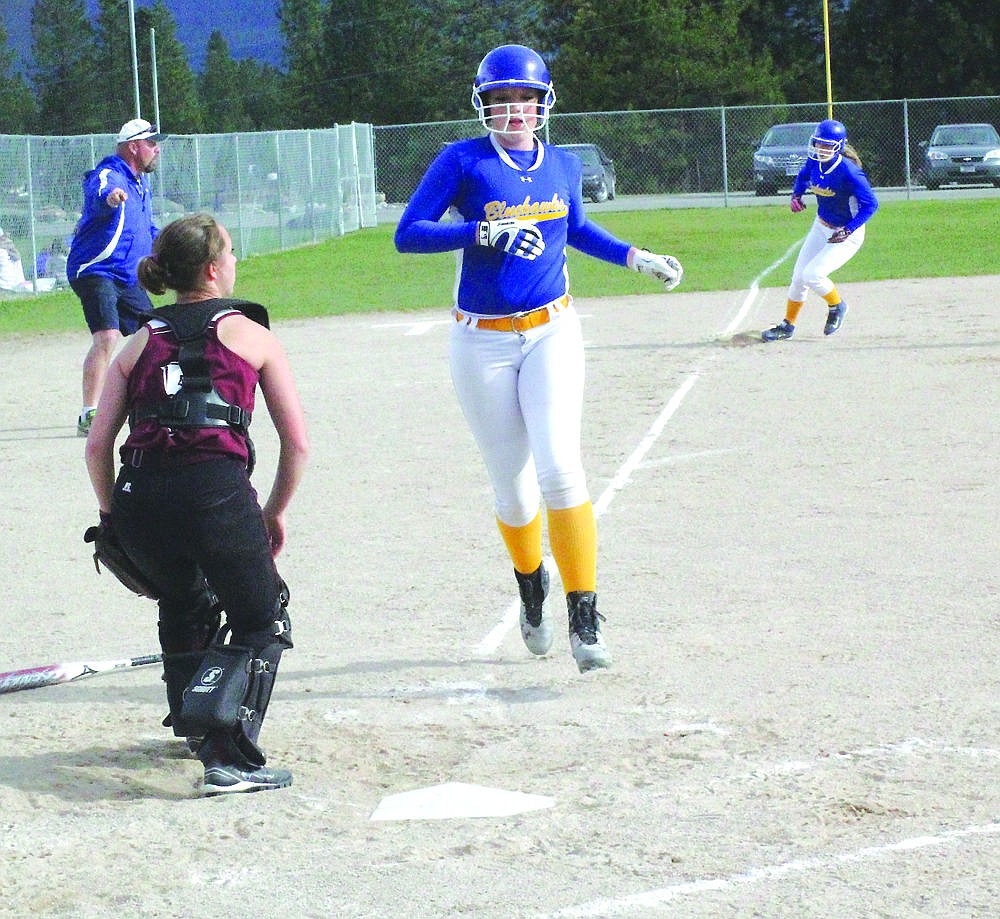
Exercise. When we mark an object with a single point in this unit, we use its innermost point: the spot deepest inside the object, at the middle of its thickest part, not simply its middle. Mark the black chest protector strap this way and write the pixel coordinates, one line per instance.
(197, 404)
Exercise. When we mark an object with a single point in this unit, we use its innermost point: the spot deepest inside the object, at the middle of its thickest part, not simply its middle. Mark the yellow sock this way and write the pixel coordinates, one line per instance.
(573, 538)
(792, 310)
(524, 544)
(832, 298)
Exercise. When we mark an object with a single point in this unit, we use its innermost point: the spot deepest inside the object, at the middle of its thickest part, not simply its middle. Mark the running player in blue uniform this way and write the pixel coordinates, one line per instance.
(513, 203)
(845, 202)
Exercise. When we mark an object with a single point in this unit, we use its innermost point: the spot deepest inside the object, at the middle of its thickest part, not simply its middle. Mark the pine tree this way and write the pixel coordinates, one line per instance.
(63, 69)
(301, 26)
(222, 93)
(17, 104)
(180, 106)
(644, 54)
(113, 62)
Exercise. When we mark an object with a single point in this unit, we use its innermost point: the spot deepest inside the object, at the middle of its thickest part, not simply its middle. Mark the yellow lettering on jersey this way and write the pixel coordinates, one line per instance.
(527, 209)
(822, 192)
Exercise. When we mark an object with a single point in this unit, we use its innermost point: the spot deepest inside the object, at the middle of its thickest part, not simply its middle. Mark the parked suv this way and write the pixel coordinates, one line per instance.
(962, 153)
(780, 156)
(598, 171)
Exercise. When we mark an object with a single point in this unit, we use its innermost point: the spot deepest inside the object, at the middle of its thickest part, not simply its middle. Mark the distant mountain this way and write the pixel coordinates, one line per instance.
(257, 36)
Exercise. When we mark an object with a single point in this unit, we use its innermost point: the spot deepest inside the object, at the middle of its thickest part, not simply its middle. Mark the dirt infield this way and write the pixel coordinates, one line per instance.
(798, 565)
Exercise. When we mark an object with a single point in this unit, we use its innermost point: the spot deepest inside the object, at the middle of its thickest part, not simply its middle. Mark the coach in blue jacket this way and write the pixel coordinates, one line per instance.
(115, 231)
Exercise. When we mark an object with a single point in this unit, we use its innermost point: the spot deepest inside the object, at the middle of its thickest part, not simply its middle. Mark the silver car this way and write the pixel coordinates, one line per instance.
(962, 154)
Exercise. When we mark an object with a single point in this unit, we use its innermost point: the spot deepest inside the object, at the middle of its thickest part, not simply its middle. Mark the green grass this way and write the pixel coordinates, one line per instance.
(721, 249)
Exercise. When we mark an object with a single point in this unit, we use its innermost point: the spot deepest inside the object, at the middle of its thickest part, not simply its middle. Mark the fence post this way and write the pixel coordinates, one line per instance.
(277, 165)
(312, 194)
(197, 173)
(336, 185)
(725, 160)
(906, 144)
(239, 198)
(31, 221)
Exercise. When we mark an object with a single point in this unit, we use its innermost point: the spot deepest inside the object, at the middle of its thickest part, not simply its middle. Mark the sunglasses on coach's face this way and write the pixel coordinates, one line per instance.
(152, 129)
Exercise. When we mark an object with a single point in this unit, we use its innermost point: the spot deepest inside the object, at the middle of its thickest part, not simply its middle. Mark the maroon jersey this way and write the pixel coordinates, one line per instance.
(157, 375)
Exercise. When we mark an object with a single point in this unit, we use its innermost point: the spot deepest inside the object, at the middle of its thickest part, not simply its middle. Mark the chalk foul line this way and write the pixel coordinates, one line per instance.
(629, 904)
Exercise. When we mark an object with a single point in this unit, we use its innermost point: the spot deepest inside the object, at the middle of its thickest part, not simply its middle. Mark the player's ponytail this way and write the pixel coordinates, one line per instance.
(852, 155)
(152, 276)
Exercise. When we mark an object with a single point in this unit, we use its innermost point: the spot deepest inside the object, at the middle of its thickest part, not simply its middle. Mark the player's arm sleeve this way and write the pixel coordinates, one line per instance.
(867, 202)
(420, 228)
(585, 235)
(801, 182)
(597, 242)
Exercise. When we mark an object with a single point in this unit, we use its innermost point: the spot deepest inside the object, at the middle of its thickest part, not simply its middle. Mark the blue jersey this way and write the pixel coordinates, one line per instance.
(480, 180)
(844, 198)
(110, 241)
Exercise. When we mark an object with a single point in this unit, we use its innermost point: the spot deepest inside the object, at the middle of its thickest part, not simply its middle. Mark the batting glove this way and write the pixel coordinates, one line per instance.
(838, 236)
(515, 235)
(662, 267)
(797, 204)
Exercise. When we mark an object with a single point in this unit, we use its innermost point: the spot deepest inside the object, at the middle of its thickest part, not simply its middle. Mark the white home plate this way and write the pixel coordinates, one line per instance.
(456, 799)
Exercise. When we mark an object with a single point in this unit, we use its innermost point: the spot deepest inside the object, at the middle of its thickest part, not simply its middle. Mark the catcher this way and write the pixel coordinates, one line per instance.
(181, 522)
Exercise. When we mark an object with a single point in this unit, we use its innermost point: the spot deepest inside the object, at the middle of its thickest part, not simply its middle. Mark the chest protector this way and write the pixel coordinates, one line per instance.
(197, 404)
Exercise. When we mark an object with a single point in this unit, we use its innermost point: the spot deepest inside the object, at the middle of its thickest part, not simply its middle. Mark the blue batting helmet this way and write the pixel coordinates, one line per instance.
(829, 138)
(513, 67)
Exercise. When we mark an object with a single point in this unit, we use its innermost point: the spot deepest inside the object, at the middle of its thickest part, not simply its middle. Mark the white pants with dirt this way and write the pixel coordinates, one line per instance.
(818, 259)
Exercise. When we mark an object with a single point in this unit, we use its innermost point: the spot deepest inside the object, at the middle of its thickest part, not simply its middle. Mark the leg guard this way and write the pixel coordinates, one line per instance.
(178, 671)
(226, 689)
(268, 644)
(184, 638)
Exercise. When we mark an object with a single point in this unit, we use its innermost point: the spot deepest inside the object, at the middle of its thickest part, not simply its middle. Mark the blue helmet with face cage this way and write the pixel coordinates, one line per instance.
(829, 139)
(513, 67)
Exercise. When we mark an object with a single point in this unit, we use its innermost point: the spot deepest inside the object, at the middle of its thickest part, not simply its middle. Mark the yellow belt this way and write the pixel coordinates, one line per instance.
(518, 322)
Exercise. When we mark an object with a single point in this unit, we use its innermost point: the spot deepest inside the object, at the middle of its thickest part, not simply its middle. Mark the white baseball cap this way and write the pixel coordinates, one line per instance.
(138, 129)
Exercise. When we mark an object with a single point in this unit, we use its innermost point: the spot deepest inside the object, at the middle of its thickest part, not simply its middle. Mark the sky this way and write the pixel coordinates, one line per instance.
(257, 36)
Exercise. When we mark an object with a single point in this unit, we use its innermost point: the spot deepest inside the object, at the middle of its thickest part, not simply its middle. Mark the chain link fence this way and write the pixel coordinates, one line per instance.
(701, 150)
(276, 190)
(272, 190)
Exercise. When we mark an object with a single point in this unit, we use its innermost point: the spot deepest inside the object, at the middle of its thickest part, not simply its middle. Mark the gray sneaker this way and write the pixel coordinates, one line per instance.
(585, 638)
(835, 318)
(780, 332)
(223, 779)
(536, 620)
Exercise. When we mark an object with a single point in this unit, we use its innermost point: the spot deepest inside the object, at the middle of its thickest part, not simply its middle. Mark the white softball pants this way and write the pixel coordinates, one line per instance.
(818, 260)
(522, 397)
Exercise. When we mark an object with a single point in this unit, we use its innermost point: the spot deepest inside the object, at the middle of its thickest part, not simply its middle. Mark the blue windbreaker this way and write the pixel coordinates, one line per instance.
(110, 241)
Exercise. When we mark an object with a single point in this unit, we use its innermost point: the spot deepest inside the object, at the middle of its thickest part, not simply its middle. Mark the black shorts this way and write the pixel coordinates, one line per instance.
(111, 304)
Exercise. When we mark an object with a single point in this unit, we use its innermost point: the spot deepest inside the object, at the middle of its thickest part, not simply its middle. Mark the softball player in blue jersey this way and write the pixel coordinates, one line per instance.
(845, 202)
(516, 350)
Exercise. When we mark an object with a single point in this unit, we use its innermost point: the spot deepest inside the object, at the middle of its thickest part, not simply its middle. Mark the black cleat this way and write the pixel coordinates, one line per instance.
(536, 621)
(585, 639)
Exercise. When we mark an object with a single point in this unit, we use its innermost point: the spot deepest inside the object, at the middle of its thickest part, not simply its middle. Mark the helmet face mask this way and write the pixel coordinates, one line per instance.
(512, 111)
(827, 141)
(511, 68)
